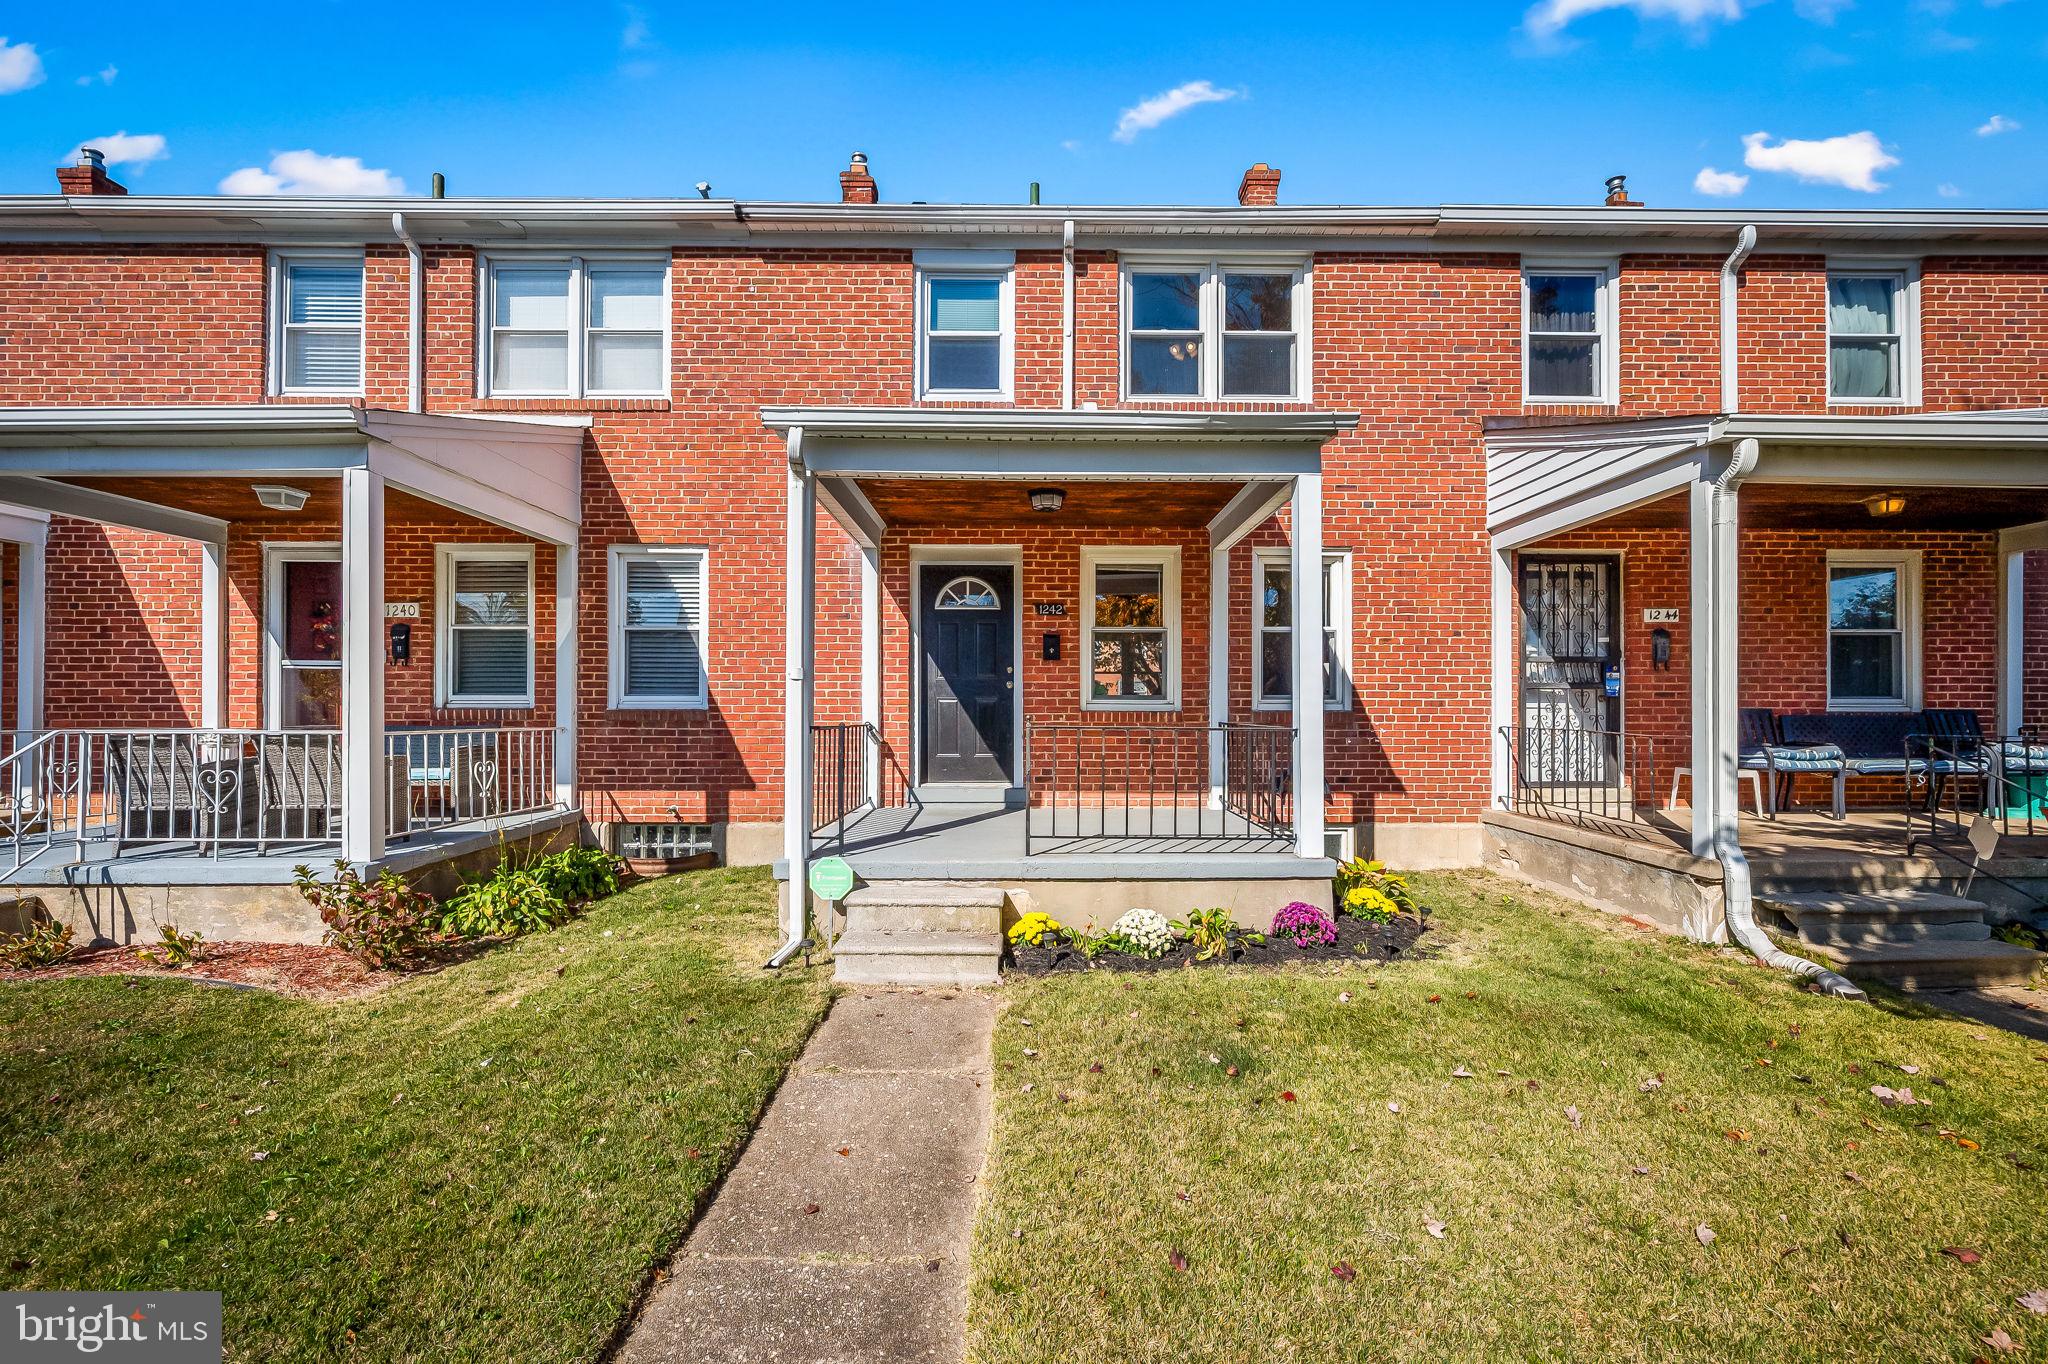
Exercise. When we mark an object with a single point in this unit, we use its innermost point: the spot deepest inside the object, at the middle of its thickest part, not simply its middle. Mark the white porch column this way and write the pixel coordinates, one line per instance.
(1715, 599)
(28, 639)
(800, 589)
(871, 667)
(1307, 580)
(213, 586)
(568, 620)
(2012, 638)
(1219, 662)
(1507, 649)
(364, 773)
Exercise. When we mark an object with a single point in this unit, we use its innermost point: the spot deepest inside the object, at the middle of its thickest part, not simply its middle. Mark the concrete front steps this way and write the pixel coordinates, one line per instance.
(921, 933)
(1911, 940)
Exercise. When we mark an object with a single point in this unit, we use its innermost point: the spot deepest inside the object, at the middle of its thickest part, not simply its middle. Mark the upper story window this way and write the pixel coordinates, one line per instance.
(1568, 352)
(318, 335)
(1869, 331)
(1215, 331)
(576, 326)
(964, 346)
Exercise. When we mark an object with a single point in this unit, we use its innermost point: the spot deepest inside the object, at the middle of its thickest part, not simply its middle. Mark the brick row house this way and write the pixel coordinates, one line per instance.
(985, 543)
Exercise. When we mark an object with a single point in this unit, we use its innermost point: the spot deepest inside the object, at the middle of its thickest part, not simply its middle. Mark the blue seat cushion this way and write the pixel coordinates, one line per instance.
(1885, 767)
(2016, 756)
(1806, 758)
(424, 776)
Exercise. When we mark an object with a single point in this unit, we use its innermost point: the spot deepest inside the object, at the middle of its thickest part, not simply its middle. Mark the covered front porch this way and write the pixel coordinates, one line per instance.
(1774, 653)
(328, 633)
(1039, 692)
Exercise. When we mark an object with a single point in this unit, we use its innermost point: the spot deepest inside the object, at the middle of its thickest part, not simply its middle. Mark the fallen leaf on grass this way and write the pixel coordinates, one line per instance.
(1571, 1114)
(1853, 1177)
(1655, 1082)
(1461, 1074)
(1178, 1261)
(1910, 1070)
(810, 1209)
(1095, 1069)
(1343, 997)
(1639, 1169)
(1705, 1233)
(1736, 1134)
(2035, 1302)
(1436, 999)
(1393, 1106)
(1434, 1228)
(846, 1150)
(1342, 1271)
(1287, 1096)
(1998, 1340)
(1962, 1254)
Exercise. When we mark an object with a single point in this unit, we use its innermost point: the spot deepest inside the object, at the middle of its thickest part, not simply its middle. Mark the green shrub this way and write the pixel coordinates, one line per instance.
(174, 949)
(525, 897)
(46, 943)
(1212, 932)
(376, 922)
(1367, 890)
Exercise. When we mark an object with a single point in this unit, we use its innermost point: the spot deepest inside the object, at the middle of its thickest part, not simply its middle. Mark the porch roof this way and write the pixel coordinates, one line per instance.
(1546, 477)
(520, 472)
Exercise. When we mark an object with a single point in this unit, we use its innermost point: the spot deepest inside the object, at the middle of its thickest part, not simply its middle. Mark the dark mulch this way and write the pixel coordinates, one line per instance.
(1357, 940)
(287, 968)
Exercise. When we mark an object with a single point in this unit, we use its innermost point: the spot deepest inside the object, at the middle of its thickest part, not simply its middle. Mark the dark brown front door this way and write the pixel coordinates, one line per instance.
(970, 671)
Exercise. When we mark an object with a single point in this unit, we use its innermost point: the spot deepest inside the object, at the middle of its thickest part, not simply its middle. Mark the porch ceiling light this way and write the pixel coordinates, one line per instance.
(1884, 504)
(1048, 499)
(278, 497)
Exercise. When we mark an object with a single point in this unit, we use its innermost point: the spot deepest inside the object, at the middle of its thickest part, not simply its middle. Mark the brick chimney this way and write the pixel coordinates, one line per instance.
(89, 176)
(1617, 193)
(1260, 187)
(856, 186)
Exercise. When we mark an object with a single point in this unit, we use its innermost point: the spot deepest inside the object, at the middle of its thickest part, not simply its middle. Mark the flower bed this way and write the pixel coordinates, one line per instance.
(1357, 940)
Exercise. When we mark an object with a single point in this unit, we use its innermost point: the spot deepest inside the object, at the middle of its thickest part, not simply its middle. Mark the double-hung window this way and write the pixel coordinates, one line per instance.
(1131, 614)
(1568, 353)
(657, 627)
(1868, 329)
(576, 326)
(1873, 631)
(317, 340)
(484, 644)
(964, 325)
(1215, 331)
(1273, 630)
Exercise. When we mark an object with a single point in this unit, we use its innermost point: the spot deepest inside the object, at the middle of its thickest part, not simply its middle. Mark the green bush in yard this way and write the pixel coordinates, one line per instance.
(46, 943)
(525, 897)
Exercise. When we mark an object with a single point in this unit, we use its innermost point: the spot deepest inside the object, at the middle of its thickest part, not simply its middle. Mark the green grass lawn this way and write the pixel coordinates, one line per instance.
(482, 1164)
(1561, 1238)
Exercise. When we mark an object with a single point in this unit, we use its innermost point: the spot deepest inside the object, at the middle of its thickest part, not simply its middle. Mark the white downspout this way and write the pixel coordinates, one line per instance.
(1067, 317)
(1731, 269)
(415, 305)
(1740, 908)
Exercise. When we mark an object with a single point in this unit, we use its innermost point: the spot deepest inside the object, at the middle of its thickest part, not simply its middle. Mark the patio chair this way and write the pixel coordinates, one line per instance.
(453, 771)
(1758, 729)
(302, 786)
(1806, 744)
(163, 788)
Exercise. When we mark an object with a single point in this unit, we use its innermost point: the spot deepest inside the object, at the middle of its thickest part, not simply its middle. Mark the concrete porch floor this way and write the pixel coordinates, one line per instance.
(1815, 837)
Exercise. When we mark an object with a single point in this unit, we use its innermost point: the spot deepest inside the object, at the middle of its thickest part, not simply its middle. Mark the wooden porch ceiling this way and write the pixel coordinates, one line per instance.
(232, 499)
(1806, 506)
(1003, 502)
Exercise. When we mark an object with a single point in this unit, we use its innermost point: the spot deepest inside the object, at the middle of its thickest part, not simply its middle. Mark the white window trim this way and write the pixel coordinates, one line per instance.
(1608, 310)
(444, 626)
(1338, 561)
(1166, 558)
(276, 554)
(1210, 317)
(1907, 273)
(618, 557)
(966, 268)
(579, 329)
(1907, 562)
(276, 268)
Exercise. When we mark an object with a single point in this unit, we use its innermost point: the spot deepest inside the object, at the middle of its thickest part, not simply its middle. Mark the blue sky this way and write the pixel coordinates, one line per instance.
(1871, 103)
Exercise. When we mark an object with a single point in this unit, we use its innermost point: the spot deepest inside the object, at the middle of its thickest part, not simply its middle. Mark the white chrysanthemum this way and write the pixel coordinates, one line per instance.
(1149, 931)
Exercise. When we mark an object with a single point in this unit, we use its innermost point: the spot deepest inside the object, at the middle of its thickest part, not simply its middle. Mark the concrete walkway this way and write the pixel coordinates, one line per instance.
(842, 1233)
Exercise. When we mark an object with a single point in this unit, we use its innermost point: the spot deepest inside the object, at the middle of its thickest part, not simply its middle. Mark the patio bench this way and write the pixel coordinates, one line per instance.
(1916, 746)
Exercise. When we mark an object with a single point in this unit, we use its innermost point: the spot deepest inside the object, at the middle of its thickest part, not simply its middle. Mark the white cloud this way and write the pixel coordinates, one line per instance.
(309, 172)
(1150, 113)
(123, 149)
(1551, 17)
(104, 76)
(1821, 11)
(636, 33)
(20, 67)
(1948, 191)
(1719, 183)
(1851, 160)
(1996, 124)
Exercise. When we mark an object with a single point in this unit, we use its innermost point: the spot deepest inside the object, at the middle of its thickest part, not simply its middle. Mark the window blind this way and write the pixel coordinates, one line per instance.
(490, 629)
(663, 627)
(323, 326)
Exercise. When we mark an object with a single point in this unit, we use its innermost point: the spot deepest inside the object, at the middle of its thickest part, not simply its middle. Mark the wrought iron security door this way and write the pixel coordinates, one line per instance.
(1571, 670)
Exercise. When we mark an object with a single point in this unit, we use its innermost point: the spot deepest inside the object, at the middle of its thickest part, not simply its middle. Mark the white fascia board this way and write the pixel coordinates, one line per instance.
(853, 511)
(1120, 424)
(165, 459)
(92, 504)
(269, 423)
(1136, 461)
(2011, 428)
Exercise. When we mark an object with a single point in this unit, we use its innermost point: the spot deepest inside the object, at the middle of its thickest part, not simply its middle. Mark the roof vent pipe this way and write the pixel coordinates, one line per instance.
(415, 308)
(1617, 193)
(1731, 270)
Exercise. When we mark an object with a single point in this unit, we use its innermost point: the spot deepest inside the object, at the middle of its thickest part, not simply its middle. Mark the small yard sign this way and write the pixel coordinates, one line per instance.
(831, 878)
(1660, 615)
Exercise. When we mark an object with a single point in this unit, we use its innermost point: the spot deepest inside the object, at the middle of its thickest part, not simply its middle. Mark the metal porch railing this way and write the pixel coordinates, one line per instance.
(1578, 775)
(842, 757)
(1140, 787)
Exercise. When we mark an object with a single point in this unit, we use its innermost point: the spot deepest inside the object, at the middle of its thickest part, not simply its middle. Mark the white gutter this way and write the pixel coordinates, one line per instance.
(1735, 886)
(1731, 388)
(415, 305)
(1067, 315)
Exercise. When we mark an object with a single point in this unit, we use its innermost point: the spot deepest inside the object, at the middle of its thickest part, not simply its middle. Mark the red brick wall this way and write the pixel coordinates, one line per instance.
(122, 628)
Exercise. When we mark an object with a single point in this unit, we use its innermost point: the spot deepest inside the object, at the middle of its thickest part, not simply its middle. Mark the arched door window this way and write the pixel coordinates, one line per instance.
(967, 593)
